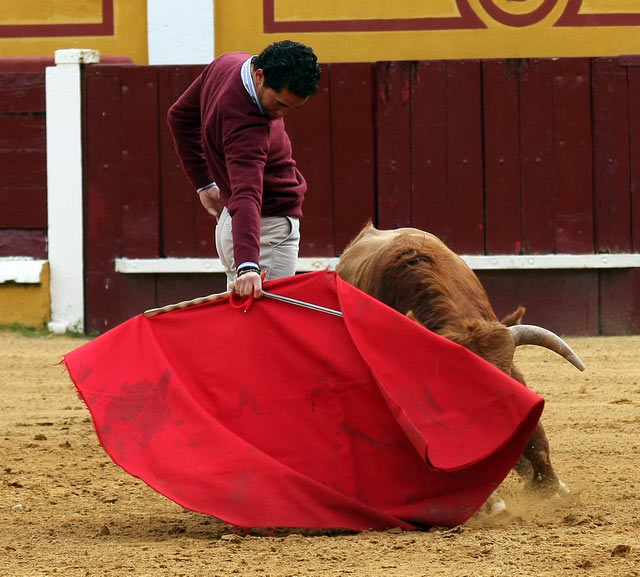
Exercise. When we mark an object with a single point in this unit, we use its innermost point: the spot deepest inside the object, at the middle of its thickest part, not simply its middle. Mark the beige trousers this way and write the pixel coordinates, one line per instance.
(279, 244)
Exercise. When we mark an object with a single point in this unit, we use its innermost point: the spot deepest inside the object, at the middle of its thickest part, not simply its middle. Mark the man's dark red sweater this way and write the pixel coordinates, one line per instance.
(220, 134)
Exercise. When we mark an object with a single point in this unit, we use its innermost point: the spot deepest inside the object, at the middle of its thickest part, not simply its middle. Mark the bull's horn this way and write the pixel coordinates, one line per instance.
(533, 335)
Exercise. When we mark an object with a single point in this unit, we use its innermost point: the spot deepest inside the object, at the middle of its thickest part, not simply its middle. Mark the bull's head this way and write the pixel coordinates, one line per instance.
(496, 343)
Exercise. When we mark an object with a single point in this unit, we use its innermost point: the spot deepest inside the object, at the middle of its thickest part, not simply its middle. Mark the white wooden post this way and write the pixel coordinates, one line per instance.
(64, 187)
(180, 32)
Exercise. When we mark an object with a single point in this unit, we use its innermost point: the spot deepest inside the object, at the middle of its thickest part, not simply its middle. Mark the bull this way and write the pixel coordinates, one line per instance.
(415, 273)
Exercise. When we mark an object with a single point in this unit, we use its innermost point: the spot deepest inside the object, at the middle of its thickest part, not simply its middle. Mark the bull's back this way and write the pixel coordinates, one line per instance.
(360, 263)
(395, 265)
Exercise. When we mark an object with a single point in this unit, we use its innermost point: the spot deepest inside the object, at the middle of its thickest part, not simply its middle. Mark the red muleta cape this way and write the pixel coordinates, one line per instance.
(285, 416)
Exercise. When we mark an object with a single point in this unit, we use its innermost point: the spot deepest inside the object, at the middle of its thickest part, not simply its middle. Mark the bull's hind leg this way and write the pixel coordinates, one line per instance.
(535, 465)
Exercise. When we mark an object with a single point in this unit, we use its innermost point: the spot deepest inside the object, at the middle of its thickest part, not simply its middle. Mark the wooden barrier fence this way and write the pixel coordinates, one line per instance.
(23, 188)
(535, 157)
(496, 157)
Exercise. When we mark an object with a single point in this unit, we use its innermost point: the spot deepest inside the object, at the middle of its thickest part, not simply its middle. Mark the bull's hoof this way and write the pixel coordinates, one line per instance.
(549, 489)
(494, 505)
(562, 491)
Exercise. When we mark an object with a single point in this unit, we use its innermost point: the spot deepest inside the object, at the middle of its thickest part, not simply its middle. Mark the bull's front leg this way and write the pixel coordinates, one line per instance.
(535, 465)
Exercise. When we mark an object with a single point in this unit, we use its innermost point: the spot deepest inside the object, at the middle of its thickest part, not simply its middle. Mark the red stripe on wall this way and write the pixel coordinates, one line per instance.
(467, 20)
(572, 17)
(103, 28)
(518, 20)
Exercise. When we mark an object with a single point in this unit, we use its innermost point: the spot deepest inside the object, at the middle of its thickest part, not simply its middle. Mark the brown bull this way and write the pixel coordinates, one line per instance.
(418, 275)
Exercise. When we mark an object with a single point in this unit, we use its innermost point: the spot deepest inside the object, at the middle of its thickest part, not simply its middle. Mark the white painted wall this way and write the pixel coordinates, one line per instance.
(180, 32)
(64, 187)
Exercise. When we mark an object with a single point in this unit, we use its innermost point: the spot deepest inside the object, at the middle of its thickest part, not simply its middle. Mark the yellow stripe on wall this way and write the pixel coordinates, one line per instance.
(610, 6)
(50, 11)
(240, 26)
(289, 10)
(129, 37)
(26, 304)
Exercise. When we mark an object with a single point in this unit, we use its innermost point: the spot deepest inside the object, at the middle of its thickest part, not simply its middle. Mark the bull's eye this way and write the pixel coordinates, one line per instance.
(414, 258)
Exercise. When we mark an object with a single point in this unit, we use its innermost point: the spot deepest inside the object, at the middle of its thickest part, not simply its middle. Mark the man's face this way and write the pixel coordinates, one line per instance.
(276, 104)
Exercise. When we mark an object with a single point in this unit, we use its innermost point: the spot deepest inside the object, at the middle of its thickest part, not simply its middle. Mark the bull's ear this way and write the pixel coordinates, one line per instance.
(514, 318)
(413, 317)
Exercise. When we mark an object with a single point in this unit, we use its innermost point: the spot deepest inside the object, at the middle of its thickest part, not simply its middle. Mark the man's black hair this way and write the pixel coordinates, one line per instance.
(291, 65)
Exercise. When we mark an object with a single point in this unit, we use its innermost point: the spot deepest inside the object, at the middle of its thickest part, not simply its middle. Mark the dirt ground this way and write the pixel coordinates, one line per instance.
(66, 509)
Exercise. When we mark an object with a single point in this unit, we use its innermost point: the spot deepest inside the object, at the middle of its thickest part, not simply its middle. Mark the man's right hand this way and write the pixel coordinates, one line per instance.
(210, 199)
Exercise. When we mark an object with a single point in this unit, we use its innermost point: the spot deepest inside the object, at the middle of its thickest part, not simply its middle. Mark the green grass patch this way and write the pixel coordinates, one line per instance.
(40, 332)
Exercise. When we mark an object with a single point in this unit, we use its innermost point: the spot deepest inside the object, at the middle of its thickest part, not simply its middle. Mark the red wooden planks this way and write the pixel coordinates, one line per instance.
(563, 301)
(23, 200)
(436, 125)
(634, 153)
(23, 206)
(353, 148)
(204, 223)
(179, 201)
(22, 133)
(103, 167)
(23, 169)
(22, 93)
(537, 161)
(393, 144)
(573, 155)
(464, 157)
(110, 297)
(140, 163)
(612, 200)
(174, 288)
(429, 148)
(310, 131)
(501, 157)
(620, 301)
(29, 243)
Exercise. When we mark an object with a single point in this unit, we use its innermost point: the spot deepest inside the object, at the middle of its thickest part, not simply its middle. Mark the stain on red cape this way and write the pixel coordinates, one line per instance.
(285, 416)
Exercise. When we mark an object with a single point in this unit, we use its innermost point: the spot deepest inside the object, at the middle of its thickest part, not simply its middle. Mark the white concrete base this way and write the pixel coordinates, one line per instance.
(57, 328)
(20, 270)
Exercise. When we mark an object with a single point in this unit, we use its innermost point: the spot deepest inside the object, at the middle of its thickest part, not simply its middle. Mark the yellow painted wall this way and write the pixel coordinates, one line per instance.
(26, 304)
(129, 37)
(239, 26)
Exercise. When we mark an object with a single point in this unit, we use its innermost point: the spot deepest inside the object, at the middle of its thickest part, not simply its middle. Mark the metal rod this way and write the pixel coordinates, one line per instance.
(304, 304)
(215, 297)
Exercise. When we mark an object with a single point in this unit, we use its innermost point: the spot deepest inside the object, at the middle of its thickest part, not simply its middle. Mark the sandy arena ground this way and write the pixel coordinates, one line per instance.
(66, 509)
